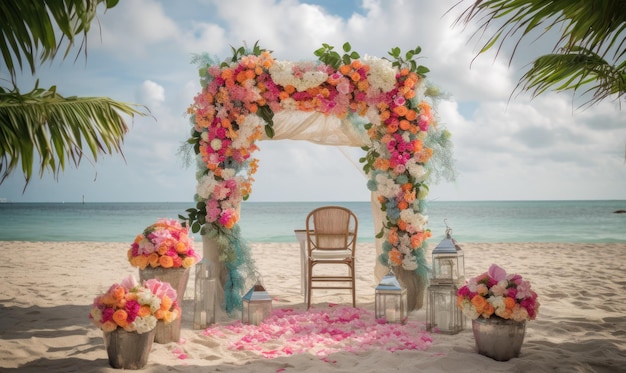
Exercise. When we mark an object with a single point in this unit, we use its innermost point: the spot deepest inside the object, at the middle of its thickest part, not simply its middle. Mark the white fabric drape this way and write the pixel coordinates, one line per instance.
(317, 128)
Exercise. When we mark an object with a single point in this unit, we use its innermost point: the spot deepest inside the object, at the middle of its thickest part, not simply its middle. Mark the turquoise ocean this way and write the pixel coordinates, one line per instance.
(486, 221)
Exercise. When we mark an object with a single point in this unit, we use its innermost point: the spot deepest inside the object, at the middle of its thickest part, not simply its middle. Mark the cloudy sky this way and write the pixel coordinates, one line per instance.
(505, 148)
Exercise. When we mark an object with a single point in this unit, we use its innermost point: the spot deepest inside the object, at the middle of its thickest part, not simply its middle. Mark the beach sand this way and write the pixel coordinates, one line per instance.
(48, 287)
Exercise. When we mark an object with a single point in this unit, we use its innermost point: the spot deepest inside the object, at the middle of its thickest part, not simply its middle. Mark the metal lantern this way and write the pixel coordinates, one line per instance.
(448, 262)
(204, 299)
(391, 300)
(257, 305)
(442, 314)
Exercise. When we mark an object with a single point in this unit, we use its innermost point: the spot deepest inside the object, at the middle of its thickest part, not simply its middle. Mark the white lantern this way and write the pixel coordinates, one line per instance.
(204, 297)
(257, 305)
(442, 314)
(448, 262)
(391, 300)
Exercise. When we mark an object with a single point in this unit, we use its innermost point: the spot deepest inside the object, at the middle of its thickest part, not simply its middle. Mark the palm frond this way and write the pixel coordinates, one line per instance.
(27, 30)
(592, 41)
(58, 129)
(573, 70)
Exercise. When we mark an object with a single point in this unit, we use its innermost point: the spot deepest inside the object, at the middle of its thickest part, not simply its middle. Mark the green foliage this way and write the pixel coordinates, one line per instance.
(408, 60)
(328, 56)
(589, 54)
(57, 128)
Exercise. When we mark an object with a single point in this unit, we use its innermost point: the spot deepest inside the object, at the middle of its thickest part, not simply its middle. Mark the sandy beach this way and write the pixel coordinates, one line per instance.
(48, 288)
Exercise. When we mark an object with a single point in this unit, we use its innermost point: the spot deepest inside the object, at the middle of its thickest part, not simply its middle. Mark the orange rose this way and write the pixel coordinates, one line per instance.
(188, 262)
(400, 110)
(166, 303)
(120, 317)
(162, 249)
(159, 314)
(402, 205)
(181, 247)
(166, 261)
(395, 257)
(153, 259)
(144, 311)
(345, 69)
(108, 326)
(479, 303)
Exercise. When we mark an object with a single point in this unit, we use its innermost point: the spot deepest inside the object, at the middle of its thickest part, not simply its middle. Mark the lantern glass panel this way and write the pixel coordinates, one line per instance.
(204, 295)
(391, 306)
(443, 315)
(256, 305)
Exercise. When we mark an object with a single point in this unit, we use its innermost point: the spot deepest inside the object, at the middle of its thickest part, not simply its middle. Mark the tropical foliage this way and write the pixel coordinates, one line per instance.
(42, 122)
(589, 55)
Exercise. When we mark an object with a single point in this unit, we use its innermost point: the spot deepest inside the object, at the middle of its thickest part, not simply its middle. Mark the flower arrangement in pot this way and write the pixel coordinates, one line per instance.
(128, 313)
(164, 251)
(499, 305)
(165, 244)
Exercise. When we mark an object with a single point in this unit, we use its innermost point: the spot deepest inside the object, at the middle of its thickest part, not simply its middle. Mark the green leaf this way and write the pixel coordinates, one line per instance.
(346, 47)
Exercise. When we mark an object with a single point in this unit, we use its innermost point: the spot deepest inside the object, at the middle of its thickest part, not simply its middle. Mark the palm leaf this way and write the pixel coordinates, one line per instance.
(592, 41)
(58, 129)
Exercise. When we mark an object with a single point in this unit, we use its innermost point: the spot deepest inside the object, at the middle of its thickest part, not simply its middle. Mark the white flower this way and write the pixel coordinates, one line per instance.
(382, 74)
(250, 125)
(144, 324)
(282, 74)
(205, 186)
(409, 263)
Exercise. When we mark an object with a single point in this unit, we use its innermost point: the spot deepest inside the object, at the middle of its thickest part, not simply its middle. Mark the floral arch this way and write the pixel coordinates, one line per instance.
(381, 105)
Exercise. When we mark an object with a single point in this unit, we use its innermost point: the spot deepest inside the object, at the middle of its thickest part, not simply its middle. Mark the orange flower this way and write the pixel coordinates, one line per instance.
(140, 261)
(355, 76)
(290, 89)
(163, 248)
(166, 261)
(401, 224)
(405, 124)
(392, 236)
(181, 247)
(402, 205)
(120, 317)
(356, 64)
(144, 311)
(188, 261)
(345, 69)
(400, 110)
(153, 259)
(480, 303)
(392, 127)
(166, 303)
(411, 115)
(395, 257)
(108, 326)
(381, 164)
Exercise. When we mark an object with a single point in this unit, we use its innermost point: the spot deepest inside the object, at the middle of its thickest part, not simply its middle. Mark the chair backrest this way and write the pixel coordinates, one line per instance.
(331, 228)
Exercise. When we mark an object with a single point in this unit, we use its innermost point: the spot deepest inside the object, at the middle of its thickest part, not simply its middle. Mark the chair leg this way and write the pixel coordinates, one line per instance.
(309, 284)
(353, 289)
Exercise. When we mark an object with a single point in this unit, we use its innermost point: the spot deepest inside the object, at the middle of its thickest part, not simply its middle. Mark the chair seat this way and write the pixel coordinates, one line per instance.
(331, 254)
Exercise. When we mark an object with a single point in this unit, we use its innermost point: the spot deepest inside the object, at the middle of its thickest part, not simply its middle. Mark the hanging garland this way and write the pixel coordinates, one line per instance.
(236, 106)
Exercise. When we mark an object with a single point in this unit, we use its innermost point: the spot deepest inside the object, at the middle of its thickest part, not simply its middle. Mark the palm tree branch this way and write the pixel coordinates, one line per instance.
(58, 128)
(574, 70)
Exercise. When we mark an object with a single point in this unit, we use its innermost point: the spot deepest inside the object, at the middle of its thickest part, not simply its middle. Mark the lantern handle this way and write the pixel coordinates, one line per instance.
(448, 229)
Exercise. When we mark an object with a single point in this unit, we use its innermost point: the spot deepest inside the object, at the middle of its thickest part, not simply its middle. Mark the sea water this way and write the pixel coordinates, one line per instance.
(484, 221)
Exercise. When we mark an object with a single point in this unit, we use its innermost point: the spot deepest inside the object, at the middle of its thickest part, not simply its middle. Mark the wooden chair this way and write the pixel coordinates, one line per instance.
(331, 239)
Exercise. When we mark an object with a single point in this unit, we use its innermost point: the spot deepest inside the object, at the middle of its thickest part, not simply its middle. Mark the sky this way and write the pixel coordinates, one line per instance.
(506, 147)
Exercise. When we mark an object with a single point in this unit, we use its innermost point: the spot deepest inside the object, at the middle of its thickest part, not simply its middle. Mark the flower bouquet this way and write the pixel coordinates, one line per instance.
(499, 306)
(135, 307)
(494, 293)
(164, 244)
(128, 314)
